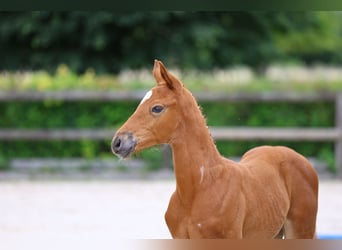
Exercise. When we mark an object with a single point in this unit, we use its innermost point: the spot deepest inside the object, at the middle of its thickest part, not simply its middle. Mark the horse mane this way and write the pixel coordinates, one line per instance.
(196, 116)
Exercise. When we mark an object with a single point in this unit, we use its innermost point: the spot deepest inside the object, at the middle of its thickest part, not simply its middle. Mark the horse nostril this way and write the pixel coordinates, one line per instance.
(117, 143)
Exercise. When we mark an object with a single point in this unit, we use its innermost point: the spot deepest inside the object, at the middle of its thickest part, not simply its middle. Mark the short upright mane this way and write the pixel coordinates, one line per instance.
(193, 109)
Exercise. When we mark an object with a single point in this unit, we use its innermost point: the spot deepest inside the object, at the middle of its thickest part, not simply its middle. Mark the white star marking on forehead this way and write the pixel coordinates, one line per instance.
(146, 97)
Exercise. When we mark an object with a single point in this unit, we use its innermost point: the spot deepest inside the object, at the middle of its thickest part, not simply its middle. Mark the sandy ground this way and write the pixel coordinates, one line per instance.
(95, 213)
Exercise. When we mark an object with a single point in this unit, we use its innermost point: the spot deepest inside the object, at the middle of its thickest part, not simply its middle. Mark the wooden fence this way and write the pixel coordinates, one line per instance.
(333, 134)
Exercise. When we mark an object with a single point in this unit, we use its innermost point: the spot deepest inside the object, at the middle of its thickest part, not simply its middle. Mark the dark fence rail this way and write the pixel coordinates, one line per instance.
(218, 133)
(137, 95)
(333, 134)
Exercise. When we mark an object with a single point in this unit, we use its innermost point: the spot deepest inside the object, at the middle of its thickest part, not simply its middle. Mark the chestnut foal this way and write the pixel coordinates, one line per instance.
(271, 193)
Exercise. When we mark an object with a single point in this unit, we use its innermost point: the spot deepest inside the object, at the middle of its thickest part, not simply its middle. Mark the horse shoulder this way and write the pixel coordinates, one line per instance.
(219, 207)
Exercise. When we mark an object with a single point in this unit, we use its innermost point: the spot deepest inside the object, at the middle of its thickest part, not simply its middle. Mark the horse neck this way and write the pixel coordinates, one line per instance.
(193, 150)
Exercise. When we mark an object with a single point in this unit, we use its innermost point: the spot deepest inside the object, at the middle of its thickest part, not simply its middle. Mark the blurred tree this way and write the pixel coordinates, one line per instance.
(310, 36)
(109, 41)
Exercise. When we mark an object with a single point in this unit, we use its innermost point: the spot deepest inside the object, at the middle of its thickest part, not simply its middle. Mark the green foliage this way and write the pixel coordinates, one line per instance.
(154, 158)
(112, 115)
(64, 114)
(270, 114)
(62, 79)
(315, 37)
(110, 42)
(67, 48)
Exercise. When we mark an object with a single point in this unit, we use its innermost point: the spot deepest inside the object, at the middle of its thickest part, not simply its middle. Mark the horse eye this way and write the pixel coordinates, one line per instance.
(157, 109)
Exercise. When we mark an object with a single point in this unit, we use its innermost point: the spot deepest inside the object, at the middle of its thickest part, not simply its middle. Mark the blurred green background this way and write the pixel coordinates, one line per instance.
(104, 51)
(110, 42)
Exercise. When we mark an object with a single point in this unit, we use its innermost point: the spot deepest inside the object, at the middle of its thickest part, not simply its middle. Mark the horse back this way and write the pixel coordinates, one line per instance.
(283, 163)
(282, 167)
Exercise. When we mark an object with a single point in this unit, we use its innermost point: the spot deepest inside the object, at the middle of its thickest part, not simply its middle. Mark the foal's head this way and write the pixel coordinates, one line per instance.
(156, 118)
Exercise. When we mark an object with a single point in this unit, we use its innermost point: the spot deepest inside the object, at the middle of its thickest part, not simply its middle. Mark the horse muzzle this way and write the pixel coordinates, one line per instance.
(123, 144)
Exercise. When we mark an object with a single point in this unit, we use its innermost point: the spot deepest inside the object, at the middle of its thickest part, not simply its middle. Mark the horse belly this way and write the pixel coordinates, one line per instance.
(266, 214)
(263, 227)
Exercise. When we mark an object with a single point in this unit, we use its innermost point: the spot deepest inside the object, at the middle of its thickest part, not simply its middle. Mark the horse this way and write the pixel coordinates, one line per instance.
(272, 192)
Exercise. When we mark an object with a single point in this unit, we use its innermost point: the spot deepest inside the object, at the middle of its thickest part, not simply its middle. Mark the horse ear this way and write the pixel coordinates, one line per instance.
(164, 77)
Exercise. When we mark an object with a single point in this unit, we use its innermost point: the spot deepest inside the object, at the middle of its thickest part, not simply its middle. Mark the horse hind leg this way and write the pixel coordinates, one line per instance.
(300, 221)
(300, 227)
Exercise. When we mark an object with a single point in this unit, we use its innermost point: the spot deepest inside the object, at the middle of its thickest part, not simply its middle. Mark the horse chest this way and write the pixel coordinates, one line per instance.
(202, 220)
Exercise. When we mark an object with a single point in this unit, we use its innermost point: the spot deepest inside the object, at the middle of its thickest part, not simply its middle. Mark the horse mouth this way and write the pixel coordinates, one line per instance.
(123, 145)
